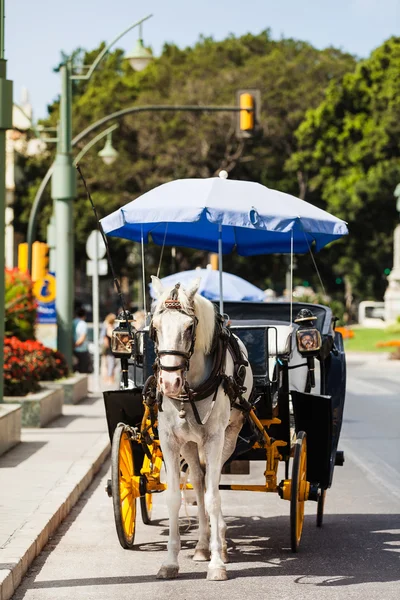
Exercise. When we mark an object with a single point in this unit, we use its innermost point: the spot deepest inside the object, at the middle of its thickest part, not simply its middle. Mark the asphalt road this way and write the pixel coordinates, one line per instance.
(355, 555)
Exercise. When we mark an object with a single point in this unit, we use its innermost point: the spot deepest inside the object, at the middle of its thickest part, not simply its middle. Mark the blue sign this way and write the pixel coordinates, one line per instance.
(45, 293)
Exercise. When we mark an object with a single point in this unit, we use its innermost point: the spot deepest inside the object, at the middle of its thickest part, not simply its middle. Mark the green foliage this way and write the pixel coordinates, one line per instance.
(349, 154)
(20, 305)
(394, 327)
(366, 339)
(155, 147)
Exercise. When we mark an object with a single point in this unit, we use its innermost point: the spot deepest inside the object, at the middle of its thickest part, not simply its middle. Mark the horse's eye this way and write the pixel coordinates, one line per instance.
(189, 330)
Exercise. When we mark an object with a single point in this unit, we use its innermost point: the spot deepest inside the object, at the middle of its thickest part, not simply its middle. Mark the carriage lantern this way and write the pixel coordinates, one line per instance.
(308, 336)
(308, 340)
(123, 335)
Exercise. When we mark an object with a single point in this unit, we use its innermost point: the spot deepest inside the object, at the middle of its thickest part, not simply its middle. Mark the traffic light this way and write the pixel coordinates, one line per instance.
(40, 260)
(246, 114)
(249, 104)
(23, 257)
(214, 261)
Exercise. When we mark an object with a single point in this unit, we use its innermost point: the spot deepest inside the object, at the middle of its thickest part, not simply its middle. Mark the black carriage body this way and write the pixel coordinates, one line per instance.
(319, 415)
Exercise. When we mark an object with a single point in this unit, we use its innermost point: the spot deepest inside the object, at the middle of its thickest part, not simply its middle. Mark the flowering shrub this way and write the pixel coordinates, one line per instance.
(20, 305)
(26, 363)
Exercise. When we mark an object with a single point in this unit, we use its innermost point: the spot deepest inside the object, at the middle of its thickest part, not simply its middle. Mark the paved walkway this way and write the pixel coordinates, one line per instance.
(42, 478)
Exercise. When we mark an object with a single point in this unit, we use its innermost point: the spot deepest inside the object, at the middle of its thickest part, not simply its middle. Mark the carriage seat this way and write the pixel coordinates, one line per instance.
(280, 335)
(280, 343)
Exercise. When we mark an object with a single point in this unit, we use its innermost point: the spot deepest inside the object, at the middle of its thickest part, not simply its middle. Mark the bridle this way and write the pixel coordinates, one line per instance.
(223, 341)
(172, 303)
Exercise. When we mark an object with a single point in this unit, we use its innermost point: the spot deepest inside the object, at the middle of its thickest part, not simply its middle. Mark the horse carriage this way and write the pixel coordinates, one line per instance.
(242, 381)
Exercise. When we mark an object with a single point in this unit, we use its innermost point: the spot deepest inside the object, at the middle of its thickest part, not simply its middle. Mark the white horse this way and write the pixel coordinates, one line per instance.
(183, 328)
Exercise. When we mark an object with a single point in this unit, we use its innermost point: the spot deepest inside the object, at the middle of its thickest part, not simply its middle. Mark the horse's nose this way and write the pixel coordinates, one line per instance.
(172, 385)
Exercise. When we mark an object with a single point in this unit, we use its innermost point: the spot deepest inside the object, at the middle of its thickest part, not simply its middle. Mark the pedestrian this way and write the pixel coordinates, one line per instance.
(107, 329)
(81, 344)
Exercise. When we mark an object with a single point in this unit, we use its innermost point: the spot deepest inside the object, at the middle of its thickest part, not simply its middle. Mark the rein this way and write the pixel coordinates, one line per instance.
(172, 303)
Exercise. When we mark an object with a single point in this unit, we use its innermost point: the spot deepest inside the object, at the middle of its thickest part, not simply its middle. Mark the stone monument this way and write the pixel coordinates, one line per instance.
(392, 294)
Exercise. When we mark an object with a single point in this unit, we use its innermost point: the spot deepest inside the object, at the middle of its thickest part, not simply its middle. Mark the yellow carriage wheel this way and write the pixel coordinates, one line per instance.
(299, 490)
(125, 487)
(146, 507)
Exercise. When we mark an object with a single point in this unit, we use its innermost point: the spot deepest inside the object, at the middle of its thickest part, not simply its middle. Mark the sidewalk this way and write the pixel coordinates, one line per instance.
(42, 478)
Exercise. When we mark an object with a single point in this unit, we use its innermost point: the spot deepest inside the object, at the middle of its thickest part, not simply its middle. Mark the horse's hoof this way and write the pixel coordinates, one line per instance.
(168, 572)
(224, 556)
(218, 574)
(201, 555)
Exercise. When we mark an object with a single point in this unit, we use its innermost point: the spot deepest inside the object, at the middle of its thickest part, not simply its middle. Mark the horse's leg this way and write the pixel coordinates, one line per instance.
(171, 455)
(213, 454)
(191, 453)
(231, 434)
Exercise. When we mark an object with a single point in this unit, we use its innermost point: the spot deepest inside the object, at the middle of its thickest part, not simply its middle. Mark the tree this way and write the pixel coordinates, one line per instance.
(157, 147)
(349, 155)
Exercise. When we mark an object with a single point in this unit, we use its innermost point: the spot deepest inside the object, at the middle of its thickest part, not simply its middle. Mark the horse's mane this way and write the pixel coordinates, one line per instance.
(204, 311)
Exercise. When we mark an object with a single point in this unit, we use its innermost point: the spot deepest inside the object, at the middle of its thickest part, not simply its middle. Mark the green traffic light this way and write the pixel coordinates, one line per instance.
(338, 280)
(387, 271)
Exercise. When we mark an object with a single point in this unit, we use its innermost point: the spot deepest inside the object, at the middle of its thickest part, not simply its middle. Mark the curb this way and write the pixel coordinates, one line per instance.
(26, 545)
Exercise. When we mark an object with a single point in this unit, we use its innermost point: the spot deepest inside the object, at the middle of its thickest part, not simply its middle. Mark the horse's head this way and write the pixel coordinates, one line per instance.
(174, 329)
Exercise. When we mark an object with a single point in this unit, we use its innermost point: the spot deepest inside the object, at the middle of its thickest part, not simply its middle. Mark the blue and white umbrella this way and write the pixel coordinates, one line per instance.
(235, 289)
(253, 219)
(220, 215)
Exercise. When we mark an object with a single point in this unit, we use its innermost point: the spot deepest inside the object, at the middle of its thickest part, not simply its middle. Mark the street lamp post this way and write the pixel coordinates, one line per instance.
(5, 123)
(108, 154)
(63, 193)
(120, 114)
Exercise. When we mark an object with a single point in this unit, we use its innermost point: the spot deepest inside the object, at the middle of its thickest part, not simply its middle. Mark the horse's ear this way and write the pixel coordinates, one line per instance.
(157, 286)
(192, 289)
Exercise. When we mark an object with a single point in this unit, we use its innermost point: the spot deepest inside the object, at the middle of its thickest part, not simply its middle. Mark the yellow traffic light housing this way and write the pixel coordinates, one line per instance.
(214, 261)
(40, 260)
(23, 257)
(246, 114)
(248, 101)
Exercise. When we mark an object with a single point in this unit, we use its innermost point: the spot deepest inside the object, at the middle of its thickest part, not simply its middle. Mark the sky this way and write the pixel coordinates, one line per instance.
(37, 30)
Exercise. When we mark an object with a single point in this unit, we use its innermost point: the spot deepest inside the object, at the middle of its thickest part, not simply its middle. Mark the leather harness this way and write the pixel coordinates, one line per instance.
(224, 341)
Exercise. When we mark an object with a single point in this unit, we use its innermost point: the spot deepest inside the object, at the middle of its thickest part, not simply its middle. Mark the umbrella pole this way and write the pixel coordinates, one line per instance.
(291, 276)
(143, 276)
(221, 291)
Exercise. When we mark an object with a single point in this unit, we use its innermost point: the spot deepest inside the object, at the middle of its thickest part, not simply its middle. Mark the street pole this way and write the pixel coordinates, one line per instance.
(6, 103)
(120, 114)
(96, 323)
(63, 193)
